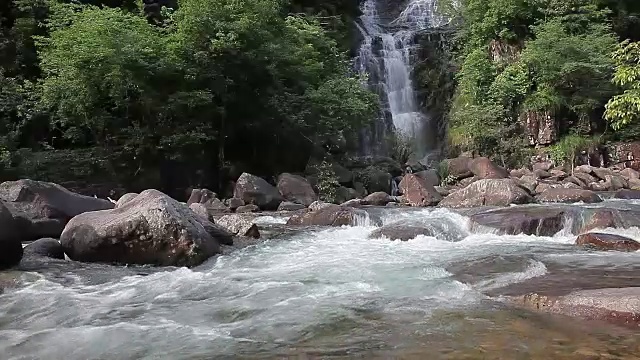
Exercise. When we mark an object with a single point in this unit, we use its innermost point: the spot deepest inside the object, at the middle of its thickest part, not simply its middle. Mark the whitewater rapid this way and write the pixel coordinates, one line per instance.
(329, 289)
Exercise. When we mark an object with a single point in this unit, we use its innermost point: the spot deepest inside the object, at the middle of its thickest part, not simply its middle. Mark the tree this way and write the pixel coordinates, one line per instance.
(624, 109)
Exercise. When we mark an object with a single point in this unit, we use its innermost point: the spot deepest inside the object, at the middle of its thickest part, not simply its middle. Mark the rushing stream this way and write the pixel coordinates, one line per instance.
(318, 292)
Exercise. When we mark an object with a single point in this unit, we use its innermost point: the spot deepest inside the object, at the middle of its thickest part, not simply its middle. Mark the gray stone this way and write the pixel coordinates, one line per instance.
(125, 198)
(487, 192)
(296, 189)
(47, 247)
(254, 190)
(241, 225)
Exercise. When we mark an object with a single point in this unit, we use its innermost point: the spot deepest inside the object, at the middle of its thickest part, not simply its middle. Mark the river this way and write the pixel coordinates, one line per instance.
(322, 293)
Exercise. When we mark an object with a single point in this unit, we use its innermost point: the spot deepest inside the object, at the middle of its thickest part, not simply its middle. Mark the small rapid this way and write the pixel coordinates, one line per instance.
(323, 291)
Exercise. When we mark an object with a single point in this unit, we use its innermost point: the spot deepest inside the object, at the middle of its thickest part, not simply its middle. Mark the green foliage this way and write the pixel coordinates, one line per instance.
(402, 148)
(624, 109)
(327, 182)
(566, 150)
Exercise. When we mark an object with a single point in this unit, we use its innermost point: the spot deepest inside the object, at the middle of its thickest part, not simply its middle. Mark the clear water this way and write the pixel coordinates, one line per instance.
(325, 292)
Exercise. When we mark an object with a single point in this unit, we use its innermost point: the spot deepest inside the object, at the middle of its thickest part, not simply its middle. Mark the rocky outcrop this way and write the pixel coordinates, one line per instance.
(10, 245)
(125, 198)
(45, 208)
(620, 306)
(490, 192)
(459, 168)
(400, 232)
(600, 241)
(532, 220)
(559, 195)
(150, 229)
(484, 168)
(50, 248)
(540, 127)
(331, 215)
(254, 190)
(418, 192)
(240, 225)
(296, 189)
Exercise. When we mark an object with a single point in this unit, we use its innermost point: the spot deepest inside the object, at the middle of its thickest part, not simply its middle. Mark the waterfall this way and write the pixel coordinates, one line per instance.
(385, 56)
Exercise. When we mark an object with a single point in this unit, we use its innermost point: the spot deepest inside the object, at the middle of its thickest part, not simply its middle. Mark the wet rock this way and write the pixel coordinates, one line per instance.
(289, 206)
(400, 232)
(234, 203)
(10, 245)
(430, 176)
(460, 167)
(418, 192)
(47, 247)
(541, 174)
(488, 192)
(533, 220)
(627, 194)
(377, 199)
(45, 208)
(356, 203)
(629, 173)
(254, 190)
(332, 215)
(484, 168)
(599, 241)
(151, 229)
(559, 195)
(241, 225)
(620, 306)
(296, 189)
(251, 208)
(125, 198)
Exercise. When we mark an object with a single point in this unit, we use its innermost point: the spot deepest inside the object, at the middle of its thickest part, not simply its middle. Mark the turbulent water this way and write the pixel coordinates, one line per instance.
(317, 292)
(385, 55)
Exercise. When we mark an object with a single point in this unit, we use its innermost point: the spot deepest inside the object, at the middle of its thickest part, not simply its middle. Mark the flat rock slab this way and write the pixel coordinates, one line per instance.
(600, 241)
(620, 306)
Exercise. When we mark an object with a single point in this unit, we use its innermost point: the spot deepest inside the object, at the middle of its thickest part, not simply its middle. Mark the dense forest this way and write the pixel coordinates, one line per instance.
(161, 94)
(561, 74)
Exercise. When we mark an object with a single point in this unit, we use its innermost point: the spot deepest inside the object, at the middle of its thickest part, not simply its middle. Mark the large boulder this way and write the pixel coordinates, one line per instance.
(615, 182)
(240, 225)
(257, 191)
(47, 247)
(602, 173)
(585, 177)
(10, 245)
(45, 208)
(151, 229)
(201, 196)
(125, 199)
(296, 189)
(530, 220)
(489, 192)
(343, 175)
(630, 173)
(599, 241)
(458, 167)
(431, 176)
(400, 232)
(418, 192)
(330, 215)
(560, 195)
(375, 179)
(377, 199)
(484, 168)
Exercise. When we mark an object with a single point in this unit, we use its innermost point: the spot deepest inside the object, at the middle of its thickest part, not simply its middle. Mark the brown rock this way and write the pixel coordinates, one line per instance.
(627, 194)
(543, 165)
(296, 189)
(559, 195)
(601, 173)
(634, 184)
(377, 199)
(528, 182)
(251, 208)
(254, 190)
(536, 220)
(490, 192)
(458, 167)
(331, 215)
(629, 173)
(430, 176)
(584, 177)
(484, 168)
(560, 174)
(575, 180)
(518, 173)
(601, 241)
(541, 174)
(418, 192)
(614, 182)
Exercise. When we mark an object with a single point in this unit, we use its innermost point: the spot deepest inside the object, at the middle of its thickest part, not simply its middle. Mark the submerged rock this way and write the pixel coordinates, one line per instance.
(254, 190)
(599, 241)
(45, 208)
(331, 215)
(151, 229)
(487, 192)
(47, 247)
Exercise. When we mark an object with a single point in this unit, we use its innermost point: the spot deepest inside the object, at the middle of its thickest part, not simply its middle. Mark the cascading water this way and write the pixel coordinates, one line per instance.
(386, 57)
